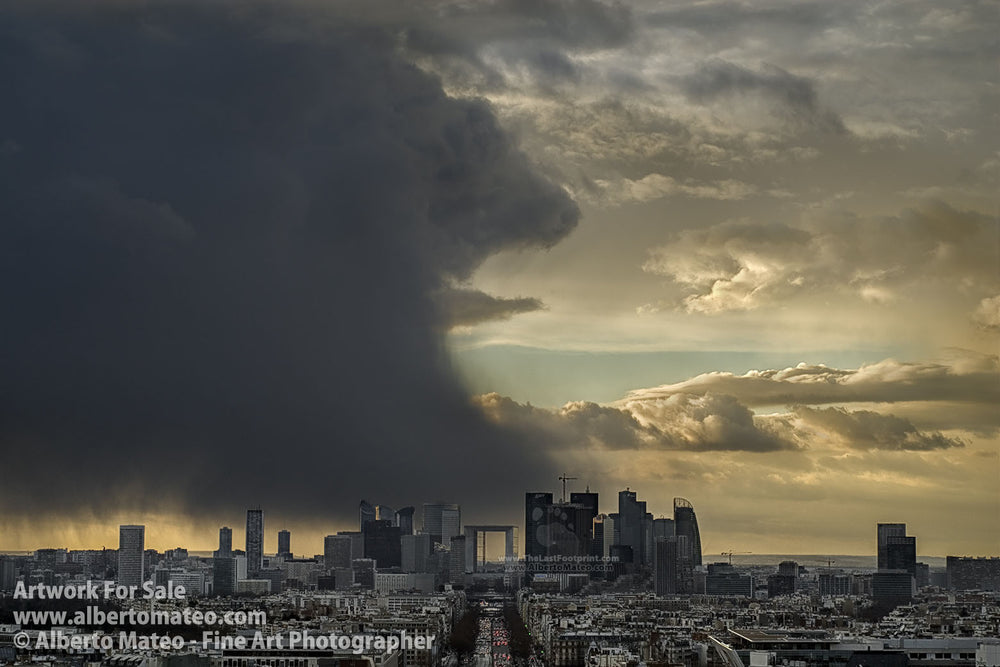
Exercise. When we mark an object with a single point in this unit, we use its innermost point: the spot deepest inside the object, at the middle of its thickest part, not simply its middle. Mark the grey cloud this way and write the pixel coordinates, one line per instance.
(742, 265)
(969, 379)
(987, 314)
(679, 423)
(865, 429)
(465, 307)
(795, 95)
(223, 231)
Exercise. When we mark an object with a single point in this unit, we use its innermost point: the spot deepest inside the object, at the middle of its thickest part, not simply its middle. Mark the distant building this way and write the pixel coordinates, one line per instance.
(893, 587)
(131, 552)
(366, 514)
(225, 542)
(780, 584)
(337, 552)
(364, 573)
(665, 566)
(966, 574)
(414, 551)
(686, 524)
(442, 521)
(224, 575)
(255, 541)
(284, 544)
(456, 563)
(357, 542)
(535, 516)
(896, 551)
(834, 583)
(404, 519)
(632, 514)
(382, 543)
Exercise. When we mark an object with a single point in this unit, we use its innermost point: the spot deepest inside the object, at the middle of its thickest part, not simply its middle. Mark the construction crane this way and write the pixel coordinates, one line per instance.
(731, 553)
(565, 479)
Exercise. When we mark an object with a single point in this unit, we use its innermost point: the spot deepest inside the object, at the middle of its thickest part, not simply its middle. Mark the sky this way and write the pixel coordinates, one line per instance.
(298, 254)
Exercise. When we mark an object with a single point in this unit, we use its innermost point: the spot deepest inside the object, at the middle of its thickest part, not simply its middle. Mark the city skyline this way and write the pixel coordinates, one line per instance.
(305, 253)
(317, 537)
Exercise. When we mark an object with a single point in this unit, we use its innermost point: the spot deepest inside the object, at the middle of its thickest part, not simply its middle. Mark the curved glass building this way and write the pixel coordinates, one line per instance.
(686, 524)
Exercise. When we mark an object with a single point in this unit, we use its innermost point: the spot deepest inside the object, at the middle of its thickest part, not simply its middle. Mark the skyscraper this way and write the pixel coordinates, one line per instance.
(535, 516)
(632, 515)
(366, 514)
(896, 551)
(665, 566)
(456, 562)
(284, 544)
(337, 552)
(385, 513)
(131, 549)
(589, 501)
(382, 543)
(255, 541)
(442, 521)
(224, 575)
(404, 519)
(225, 542)
(686, 524)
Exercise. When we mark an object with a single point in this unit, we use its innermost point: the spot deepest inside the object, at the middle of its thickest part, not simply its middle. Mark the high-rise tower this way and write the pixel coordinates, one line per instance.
(131, 548)
(255, 541)
(686, 525)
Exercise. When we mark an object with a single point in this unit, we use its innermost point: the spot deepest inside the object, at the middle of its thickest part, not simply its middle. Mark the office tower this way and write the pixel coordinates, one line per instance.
(382, 543)
(535, 532)
(284, 544)
(788, 568)
(834, 583)
(8, 574)
(686, 524)
(665, 566)
(597, 535)
(255, 541)
(336, 552)
(404, 519)
(442, 521)
(893, 587)
(781, 584)
(631, 514)
(414, 552)
(385, 513)
(224, 575)
(647, 537)
(364, 572)
(589, 501)
(663, 527)
(131, 550)
(225, 542)
(896, 551)
(366, 514)
(357, 542)
(966, 574)
(883, 532)
(567, 530)
(609, 535)
(456, 563)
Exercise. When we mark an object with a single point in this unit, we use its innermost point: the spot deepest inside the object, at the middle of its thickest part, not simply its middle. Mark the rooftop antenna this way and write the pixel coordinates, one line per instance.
(565, 479)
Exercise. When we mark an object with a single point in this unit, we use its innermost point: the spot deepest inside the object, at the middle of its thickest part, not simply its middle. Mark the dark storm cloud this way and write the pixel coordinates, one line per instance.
(794, 96)
(465, 307)
(223, 229)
